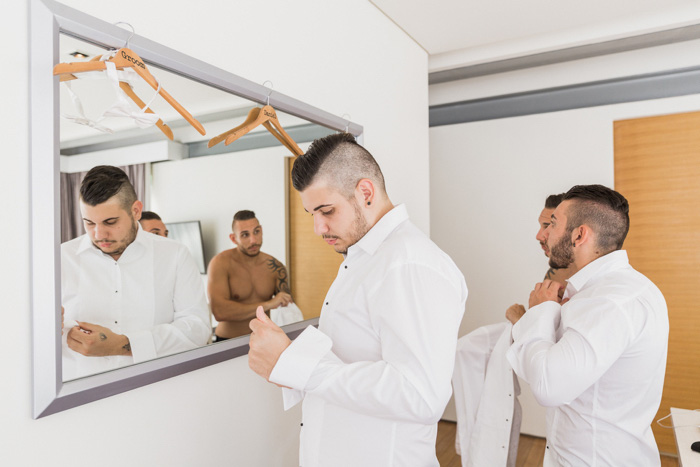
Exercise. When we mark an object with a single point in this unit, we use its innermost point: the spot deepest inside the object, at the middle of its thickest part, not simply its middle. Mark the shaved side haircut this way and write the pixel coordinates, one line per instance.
(105, 181)
(338, 160)
(243, 215)
(604, 210)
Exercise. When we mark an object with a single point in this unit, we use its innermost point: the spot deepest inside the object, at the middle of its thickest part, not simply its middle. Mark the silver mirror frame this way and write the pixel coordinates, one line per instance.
(47, 19)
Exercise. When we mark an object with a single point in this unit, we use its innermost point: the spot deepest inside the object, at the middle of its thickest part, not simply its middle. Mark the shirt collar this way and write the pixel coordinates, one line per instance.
(141, 241)
(606, 263)
(381, 230)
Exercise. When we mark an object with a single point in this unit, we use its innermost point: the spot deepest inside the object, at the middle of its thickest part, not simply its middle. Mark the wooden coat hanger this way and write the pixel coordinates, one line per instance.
(257, 116)
(124, 58)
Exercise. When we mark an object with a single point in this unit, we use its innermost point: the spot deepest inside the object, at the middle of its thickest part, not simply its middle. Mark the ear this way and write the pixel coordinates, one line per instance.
(232, 236)
(364, 192)
(136, 209)
(581, 235)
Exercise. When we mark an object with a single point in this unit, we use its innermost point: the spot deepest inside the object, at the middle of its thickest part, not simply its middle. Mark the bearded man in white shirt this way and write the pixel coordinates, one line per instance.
(375, 376)
(129, 296)
(597, 356)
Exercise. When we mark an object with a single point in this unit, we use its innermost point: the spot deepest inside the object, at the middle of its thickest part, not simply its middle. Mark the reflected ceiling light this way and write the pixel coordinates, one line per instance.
(79, 55)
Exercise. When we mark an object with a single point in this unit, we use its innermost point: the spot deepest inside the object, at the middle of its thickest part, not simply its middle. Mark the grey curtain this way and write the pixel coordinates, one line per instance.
(71, 220)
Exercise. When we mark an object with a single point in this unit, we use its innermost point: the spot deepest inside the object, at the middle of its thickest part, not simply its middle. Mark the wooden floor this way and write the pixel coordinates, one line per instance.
(530, 449)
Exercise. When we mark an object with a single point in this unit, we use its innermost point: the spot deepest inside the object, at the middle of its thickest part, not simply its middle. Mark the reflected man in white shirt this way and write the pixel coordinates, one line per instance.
(597, 356)
(375, 375)
(129, 296)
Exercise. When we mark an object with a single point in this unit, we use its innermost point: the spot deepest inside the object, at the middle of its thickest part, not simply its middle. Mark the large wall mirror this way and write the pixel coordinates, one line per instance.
(189, 184)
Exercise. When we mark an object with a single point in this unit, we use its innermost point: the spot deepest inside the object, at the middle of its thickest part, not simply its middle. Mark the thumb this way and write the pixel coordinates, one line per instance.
(86, 326)
(260, 314)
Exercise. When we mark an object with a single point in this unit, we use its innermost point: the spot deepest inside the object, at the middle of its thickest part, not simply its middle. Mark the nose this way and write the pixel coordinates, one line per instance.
(545, 234)
(320, 226)
(540, 235)
(100, 232)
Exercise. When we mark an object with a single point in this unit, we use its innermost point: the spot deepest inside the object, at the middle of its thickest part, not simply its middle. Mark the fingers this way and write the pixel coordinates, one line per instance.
(260, 314)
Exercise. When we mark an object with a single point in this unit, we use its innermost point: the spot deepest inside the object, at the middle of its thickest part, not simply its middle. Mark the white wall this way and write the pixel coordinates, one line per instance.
(344, 57)
(212, 189)
(489, 179)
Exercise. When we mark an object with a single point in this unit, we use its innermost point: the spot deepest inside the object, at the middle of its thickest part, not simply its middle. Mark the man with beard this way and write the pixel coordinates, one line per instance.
(375, 375)
(554, 274)
(243, 278)
(596, 357)
(550, 204)
(129, 296)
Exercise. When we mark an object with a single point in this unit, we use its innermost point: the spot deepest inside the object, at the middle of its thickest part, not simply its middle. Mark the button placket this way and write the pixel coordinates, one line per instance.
(117, 296)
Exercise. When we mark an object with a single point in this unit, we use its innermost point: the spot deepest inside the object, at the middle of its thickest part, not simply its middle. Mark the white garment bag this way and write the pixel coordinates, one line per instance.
(486, 391)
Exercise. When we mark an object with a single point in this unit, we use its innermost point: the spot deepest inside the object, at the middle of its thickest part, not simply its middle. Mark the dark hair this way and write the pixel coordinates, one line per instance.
(339, 159)
(553, 201)
(105, 181)
(606, 211)
(242, 215)
(150, 216)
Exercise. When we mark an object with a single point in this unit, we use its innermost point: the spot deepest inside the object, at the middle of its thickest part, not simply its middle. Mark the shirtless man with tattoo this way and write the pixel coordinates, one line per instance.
(243, 278)
(557, 275)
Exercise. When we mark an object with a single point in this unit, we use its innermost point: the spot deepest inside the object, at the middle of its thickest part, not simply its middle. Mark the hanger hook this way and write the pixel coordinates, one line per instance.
(347, 122)
(269, 93)
(133, 31)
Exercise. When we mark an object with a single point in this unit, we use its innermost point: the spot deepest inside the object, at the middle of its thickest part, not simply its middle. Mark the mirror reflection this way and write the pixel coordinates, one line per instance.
(153, 260)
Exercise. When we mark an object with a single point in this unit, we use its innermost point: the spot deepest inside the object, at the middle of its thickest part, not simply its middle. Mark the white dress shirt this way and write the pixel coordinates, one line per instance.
(153, 294)
(486, 399)
(598, 363)
(375, 375)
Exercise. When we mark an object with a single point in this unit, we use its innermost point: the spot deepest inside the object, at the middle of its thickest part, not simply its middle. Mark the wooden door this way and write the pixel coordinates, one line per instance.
(313, 264)
(657, 168)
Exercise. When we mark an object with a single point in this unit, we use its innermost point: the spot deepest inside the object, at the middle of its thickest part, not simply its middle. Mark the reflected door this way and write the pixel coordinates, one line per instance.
(312, 262)
(657, 168)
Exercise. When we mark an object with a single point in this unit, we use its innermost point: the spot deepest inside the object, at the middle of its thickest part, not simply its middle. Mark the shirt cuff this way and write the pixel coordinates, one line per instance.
(142, 346)
(541, 321)
(291, 397)
(298, 361)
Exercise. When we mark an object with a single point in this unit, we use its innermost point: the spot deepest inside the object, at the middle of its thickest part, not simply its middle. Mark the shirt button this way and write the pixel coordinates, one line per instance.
(346, 267)
(326, 303)
(116, 291)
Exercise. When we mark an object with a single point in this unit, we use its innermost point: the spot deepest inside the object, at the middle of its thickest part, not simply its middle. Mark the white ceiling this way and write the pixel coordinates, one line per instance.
(464, 31)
